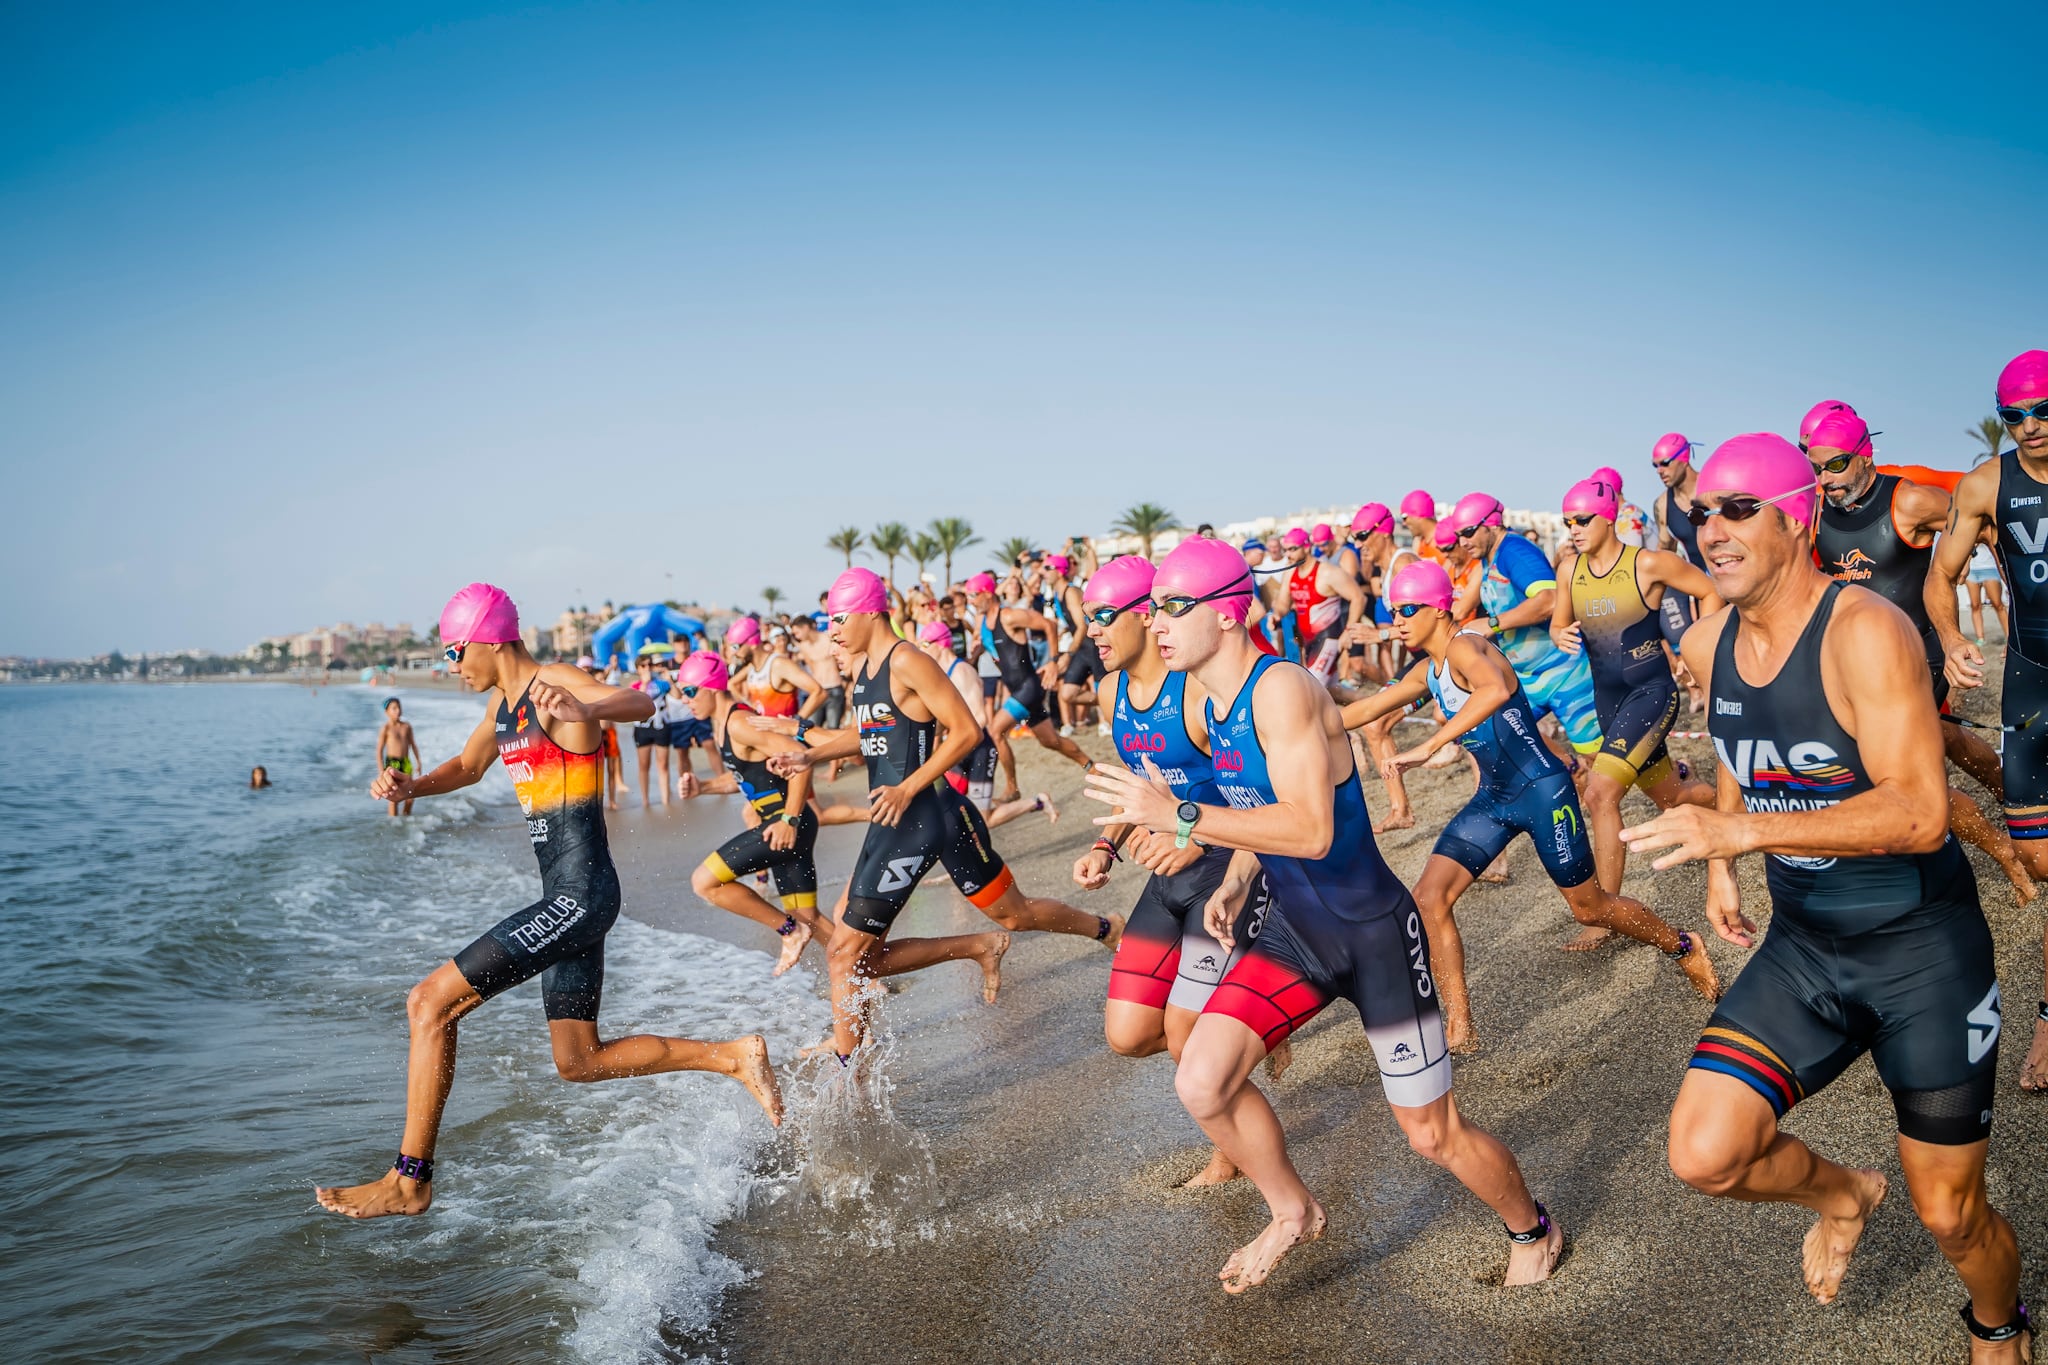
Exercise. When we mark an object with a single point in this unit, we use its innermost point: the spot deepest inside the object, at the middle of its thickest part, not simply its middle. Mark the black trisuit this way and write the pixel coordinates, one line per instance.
(1888, 954)
(795, 867)
(2022, 514)
(1864, 545)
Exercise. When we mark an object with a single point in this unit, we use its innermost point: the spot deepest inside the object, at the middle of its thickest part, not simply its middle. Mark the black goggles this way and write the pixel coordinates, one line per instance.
(1105, 615)
(1741, 507)
(1180, 605)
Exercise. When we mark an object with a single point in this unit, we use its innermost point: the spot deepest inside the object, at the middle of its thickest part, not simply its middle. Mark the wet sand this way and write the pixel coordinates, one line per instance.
(1062, 1236)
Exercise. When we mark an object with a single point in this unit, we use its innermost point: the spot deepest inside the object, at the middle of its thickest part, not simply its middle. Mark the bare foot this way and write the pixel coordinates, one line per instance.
(2023, 888)
(826, 1044)
(1830, 1242)
(748, 1058)
(1007, 797)
(1699, 969)
(2017, 1351)
(1459, 1035)
(1220, 1170)
(1589, 936)
(1250, 1264)
(1280, 1058)
(1045, 804)
(991, 960)
(1115, 934)
(1533, 1262)
(1395, 820)
(392, 1194)
(2034, 1072)
(793, 944)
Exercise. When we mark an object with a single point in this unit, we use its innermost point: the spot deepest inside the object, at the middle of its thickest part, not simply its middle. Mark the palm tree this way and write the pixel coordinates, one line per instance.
(771, 596)
(889, 540)
(954, 534)
(1008, 553)
(923, 549)
(1991, 432)
(846, 540)
(1145, 521)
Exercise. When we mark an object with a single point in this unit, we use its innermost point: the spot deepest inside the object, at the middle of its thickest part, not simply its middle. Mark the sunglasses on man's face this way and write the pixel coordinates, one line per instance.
(2017, 416)
(453, 654)
(1741, 507)
(1178, 605)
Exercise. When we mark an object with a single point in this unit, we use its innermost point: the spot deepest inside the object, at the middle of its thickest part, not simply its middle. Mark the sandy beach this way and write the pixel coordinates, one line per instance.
(1061, 1235)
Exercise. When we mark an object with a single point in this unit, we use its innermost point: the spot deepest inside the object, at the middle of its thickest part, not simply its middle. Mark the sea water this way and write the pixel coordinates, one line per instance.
(202, 1017)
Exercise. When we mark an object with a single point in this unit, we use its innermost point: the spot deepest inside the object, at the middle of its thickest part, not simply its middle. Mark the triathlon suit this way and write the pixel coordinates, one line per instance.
(1026, 702)
(1555, 681)
(795, 867)
(1319, 619)
(1888, 954)
(1523, 789)
(770, 699)
(1866, 546)
(1376, 608)
(2022, 514)
(1676, 613)
(938, 826)
(1085, 663)
(560, 937)
(1167, 957)
(1632, 686)
(975, 775)
(1341, 924)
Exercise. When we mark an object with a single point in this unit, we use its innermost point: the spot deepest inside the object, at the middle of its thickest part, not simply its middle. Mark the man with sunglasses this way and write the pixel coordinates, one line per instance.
(1167, 964)
(1877, 530)
(1523, 789)
(543, 721)
(1341, 924)
(1610, 615)
(2007, 502)
(1671, 457)
(1830, 765)
(912, 725)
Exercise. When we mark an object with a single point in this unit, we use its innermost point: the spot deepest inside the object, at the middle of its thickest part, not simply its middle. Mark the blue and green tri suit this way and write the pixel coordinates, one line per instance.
(1555, 681)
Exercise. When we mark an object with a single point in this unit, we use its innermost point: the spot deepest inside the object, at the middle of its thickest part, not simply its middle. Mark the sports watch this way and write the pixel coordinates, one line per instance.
(1184, 823)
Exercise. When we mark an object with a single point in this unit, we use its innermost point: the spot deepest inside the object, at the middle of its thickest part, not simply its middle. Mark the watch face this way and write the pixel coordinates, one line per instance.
(1189, 812)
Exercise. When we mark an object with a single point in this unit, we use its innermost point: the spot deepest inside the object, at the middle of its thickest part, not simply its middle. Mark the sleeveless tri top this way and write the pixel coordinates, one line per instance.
(1013, 659)
(894, 745)
(1683, 531)
(1506, 745)
(1160, 732)
(1314, 610)
(1783, 746)
(2022, 515)
(1623, 637)
(1863, 545)
(558, 791)
(1350, 882)
(765, 792)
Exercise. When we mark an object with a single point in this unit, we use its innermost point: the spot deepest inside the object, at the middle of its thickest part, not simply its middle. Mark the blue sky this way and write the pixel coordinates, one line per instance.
(310, 313)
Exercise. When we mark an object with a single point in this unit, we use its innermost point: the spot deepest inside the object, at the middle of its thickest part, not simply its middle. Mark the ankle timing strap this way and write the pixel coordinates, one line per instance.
(1102, 930)
(1535, 1234)
(2020, 1323)
(1684, 946)
(420, 1168)
(2041, 1010)
(788, 926)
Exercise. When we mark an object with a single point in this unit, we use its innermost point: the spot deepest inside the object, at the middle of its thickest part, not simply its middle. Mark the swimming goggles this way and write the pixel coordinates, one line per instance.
(1407, 609)
(2015, 416)
(1741, 507)
(1180, 604)
(453, 654)
(1579, 519)
(690, 690)
(1106, 615)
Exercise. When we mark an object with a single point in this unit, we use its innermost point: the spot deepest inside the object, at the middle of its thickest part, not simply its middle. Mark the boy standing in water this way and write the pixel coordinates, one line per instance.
(544, 721)
(396, 747)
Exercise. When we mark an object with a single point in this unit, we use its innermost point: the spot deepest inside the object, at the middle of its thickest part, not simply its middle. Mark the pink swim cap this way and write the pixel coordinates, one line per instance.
(1419, 504)
(936, 633)
(1763, 465)
(1590, 496)
(1294, 537)
(1199, 566)
(1059, 564)
(1374, 518)
(1445, 534)
(1423, 581)
(982, 582)
(859, 590)
(1671, 446)
(1321, 534)
(744, 630)
(1818, 411)
(2024, 378)
(1610, 476)
(1124, 581)
(1476, 509)
(704, 669)
(479, 615)
(1841, 430)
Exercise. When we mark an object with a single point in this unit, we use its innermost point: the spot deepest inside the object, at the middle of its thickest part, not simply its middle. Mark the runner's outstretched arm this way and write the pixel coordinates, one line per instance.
(1398, 695)
(1679, 573)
